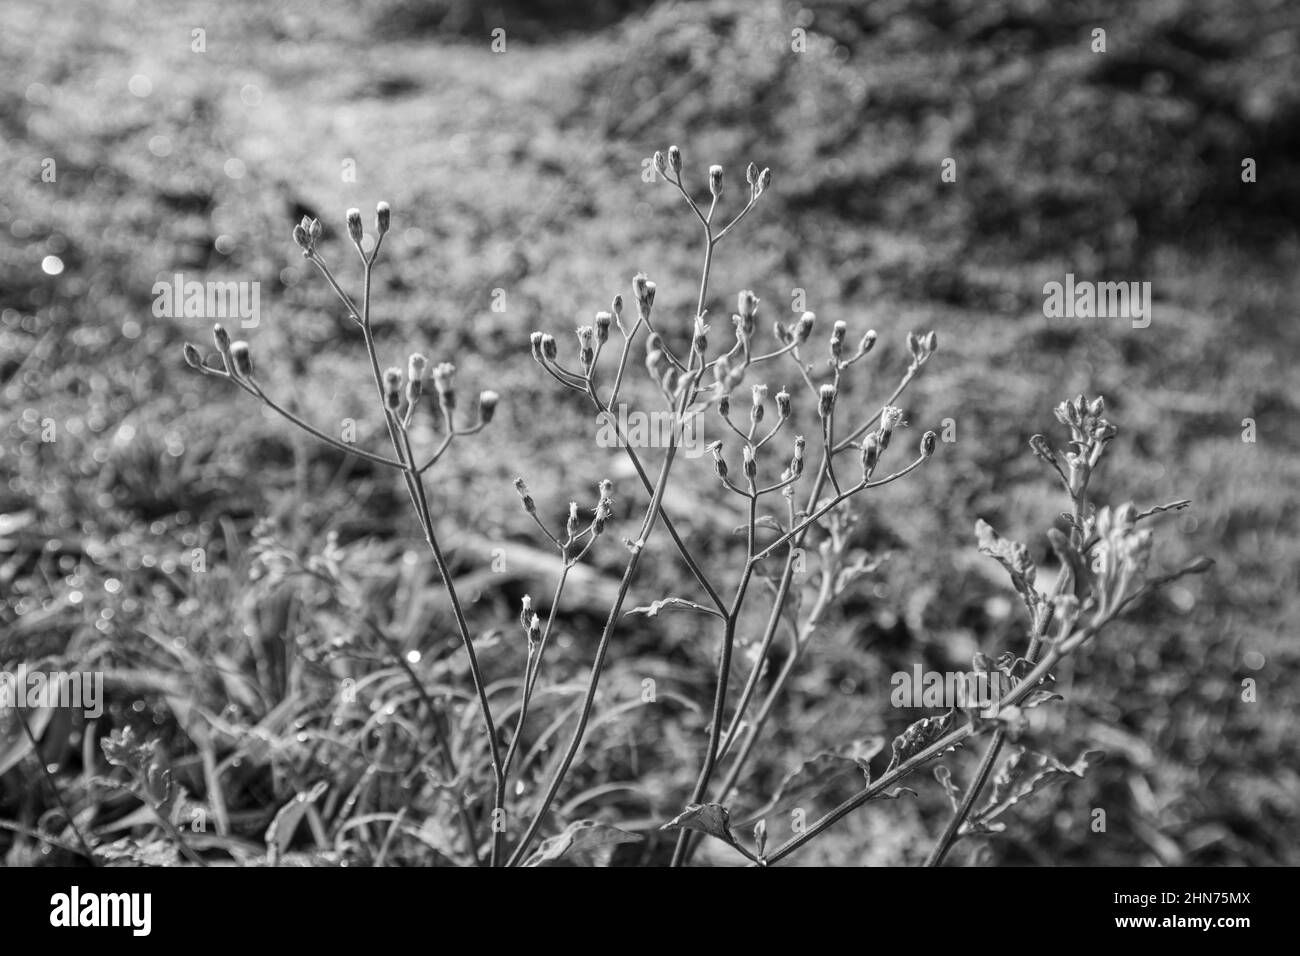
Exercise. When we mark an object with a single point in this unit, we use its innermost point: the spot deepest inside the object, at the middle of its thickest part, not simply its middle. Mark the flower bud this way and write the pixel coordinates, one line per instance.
(300, 237)
(526, 611)
(931, 342)
(442, 382)
(487, 405)
(241, 359)
(715, 181)
(826, 400)
(1098, 407)
(571, 525)
(764, 180)
(760, 396)
(525, 497)
(724, 406)
(751, 174)
(838, 331)
(221, 338)
(660, 163)
(586, 346)
(415, 368)
(927, 444)
(193, 358)
(914, 346)
(868, 342)
(617, 306)
(870, 454)
(549, 347)
(751, 466)
(783, 404)
(796, 460)
(747, 303)
(383, 215)
(393, 388)
(354, 225)
(603, 320)
(535, 343)
(604, 511)
(783, 335)
(804, 327)
(890, 418)
(675, 159)
(644, 291)
(719, 465)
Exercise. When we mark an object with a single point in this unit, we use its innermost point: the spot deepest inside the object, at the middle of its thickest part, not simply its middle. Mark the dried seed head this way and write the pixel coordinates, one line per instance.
(927, 444)
(240, 359)
(487, 405)
(783, 404)
(603, 320)
(529, 505)
(804, 327)
(675, 159)
(868, 342)
(760, 394)
(747, 303)
(715, 181)
(193, 358)
(826, 400)
(550, 349)
(354, 225)
(393, 388)
(605, 489)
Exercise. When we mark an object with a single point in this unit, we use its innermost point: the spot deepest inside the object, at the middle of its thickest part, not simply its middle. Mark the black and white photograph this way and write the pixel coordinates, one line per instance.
(649, 434)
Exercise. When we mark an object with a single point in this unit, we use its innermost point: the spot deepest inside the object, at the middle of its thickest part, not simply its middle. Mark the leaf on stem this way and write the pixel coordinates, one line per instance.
(653, 609)
(1023, 774)
(578, 836)
(711, 818)
(918, 737)
(280, 833)
(802, 786)
(1013, 556)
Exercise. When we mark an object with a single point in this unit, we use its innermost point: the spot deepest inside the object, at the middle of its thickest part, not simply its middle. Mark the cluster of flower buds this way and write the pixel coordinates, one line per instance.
(306, 234)
(874, 445)
(1084, 418)
(799, 334)
(921, 346)
(235, 356)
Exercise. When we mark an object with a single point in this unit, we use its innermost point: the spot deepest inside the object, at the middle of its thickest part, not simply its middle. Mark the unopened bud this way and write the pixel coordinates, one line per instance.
(804, 327)
(783, 404)
(764, 180)
(603, 320)
(443, 373)
(927, 444)
(783, 335)
(354, 225)
(1098, 407)
(393, 388)
(550, 349)
(751, 466)
(868, 342)
(719, 465)
(415, 368)
(193, 358)
(240, 359)
(527, 499)
(526, 611)
(660, 163)
(675, 159)
(571, 526)
(870, 454)
(931, 342)
(221, 338)
(300, 237)
(487, 405)
(747, 303)
(724, 406)
(383, 216)
(535, 343)
(838, 331)
(751, 174)
(826, 400)
(715, 181)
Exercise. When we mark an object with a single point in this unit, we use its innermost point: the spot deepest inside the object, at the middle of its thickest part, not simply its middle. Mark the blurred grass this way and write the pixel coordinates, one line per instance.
(521, 172)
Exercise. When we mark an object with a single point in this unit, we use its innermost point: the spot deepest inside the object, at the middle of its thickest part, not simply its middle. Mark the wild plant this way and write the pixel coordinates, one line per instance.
(763, 462)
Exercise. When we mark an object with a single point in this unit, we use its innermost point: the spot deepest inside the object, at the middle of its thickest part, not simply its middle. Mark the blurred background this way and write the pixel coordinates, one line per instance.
(173, 535)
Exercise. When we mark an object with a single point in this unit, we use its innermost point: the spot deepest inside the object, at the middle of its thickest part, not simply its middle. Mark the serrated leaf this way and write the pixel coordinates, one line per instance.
(810, 780)
(711, 818)
(1013, 556)
(578, 836)
(1023, 774)
(918, 737)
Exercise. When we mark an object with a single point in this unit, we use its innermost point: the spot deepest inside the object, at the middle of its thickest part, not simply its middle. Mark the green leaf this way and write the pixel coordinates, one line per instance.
(918, 737)
(280, 833)
(578, 836)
